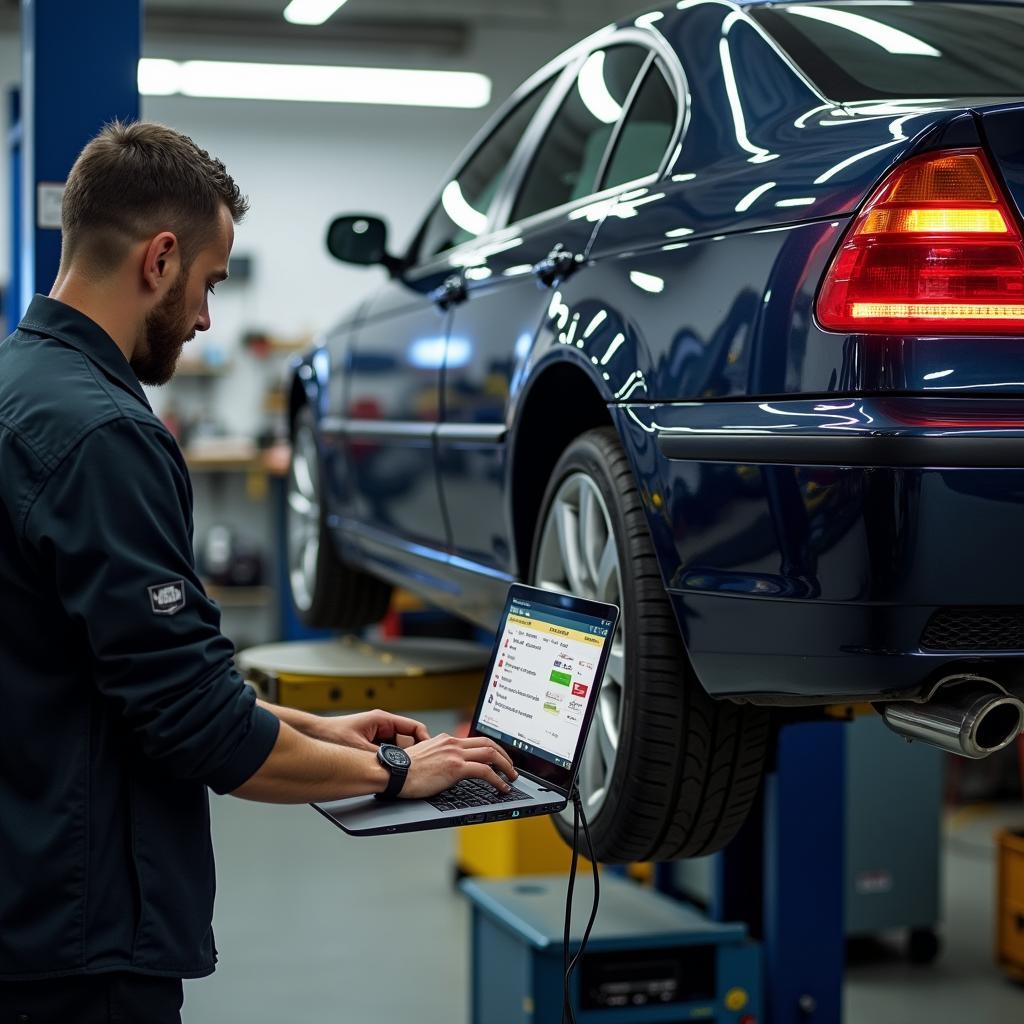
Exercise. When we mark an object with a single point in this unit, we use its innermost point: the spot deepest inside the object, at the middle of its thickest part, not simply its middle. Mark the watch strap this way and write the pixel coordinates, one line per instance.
(396, 776)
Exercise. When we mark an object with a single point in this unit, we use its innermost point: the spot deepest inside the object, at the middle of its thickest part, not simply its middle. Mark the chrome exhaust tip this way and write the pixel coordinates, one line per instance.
(972, 718)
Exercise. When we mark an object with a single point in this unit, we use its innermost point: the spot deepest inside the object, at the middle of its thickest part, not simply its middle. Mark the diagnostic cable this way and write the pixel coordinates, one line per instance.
(578, 815)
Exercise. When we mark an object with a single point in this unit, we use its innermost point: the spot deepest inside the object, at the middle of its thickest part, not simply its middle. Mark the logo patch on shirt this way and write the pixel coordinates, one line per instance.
(167, 598)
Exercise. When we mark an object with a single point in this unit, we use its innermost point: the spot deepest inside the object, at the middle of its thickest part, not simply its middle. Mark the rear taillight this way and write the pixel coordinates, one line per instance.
(936, 250)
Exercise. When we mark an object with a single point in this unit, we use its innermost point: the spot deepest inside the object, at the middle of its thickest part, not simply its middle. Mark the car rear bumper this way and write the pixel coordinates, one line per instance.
(837, 549)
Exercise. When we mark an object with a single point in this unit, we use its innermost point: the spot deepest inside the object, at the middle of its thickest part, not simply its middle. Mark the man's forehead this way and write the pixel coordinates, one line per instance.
(216, 254)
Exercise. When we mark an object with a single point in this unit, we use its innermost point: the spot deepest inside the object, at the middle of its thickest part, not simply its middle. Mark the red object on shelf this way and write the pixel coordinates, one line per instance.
(936, 250)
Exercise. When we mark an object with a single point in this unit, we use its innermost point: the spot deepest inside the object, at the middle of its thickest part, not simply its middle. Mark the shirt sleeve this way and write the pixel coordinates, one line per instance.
(111, 532)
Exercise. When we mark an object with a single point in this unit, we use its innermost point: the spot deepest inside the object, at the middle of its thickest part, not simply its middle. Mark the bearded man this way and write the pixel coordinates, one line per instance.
(120, 701)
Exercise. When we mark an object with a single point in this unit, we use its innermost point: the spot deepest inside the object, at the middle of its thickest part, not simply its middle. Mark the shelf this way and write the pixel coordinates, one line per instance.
(240, 597)
(197, 369)
(222, 464)
(271, 461)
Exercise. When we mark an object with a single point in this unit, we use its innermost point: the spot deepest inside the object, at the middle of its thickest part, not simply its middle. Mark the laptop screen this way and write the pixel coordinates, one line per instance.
(543, 678)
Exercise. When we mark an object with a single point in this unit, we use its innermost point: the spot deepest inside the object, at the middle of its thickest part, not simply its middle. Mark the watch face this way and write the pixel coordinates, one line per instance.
(396, 756)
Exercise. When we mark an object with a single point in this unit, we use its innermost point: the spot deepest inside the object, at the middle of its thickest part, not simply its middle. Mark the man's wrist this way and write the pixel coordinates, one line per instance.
(381, 776)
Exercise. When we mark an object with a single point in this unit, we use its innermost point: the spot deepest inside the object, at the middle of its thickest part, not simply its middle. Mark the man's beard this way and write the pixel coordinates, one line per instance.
(167, 330)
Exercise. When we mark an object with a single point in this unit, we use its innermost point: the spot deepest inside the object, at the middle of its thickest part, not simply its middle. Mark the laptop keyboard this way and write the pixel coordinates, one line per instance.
(473, 793)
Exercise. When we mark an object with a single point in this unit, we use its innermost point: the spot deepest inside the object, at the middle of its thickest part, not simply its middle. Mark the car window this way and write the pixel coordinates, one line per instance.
(646, 132)
(461, 212)
(887, 50)
(567, 162)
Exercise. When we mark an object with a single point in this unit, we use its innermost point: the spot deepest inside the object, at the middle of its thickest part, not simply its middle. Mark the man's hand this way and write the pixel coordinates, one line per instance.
(444, 760)
(365, 730)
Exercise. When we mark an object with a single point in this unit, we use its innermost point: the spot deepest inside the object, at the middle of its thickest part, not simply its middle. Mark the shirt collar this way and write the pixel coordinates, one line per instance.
(57, 320)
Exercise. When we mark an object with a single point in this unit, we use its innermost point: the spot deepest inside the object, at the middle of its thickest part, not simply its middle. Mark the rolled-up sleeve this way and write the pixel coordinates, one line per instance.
(111, 532)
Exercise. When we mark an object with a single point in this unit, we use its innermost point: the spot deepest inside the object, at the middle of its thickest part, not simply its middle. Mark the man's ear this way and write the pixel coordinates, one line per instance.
(161, 261)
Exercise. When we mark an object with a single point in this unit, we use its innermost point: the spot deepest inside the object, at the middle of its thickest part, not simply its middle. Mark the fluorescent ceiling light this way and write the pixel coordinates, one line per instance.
(594, 90)
(311, 12)
(888, 38)
(314, 83)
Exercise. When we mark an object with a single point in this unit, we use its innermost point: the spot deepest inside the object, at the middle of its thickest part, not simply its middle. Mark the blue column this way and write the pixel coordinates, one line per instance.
(784, 876)
(804, 881)
(12, 297)
(79, 70)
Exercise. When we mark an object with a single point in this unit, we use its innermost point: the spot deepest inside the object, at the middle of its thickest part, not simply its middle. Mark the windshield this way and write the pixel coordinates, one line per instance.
(901, 48)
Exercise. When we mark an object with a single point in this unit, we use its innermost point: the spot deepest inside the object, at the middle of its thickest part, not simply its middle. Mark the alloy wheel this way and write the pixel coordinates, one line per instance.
(578, 555)
(303, 518)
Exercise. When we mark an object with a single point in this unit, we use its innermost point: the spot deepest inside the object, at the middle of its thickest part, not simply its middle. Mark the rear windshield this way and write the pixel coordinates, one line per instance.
(907, 49)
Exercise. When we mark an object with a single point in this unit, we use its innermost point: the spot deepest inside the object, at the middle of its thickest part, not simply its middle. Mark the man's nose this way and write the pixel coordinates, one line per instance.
(203, 320)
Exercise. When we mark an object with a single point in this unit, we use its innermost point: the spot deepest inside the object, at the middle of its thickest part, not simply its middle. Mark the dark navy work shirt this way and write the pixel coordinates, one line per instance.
(119, 700)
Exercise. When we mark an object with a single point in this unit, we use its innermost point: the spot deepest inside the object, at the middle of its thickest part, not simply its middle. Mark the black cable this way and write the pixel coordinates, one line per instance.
(568, 1016)
(597, 887)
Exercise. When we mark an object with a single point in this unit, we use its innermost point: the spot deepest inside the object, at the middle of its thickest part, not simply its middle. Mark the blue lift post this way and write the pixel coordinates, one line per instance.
(79, 68)
(784, 877)
(12, 294)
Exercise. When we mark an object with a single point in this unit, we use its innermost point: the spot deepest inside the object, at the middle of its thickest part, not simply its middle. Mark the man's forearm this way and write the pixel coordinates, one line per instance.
(303, 770)
(301, 721)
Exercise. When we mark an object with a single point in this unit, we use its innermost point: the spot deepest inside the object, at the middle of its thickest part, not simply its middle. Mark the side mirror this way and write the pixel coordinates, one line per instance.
(361, 239)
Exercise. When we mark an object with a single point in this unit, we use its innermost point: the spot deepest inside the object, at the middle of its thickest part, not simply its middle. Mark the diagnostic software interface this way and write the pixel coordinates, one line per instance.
(543, 679)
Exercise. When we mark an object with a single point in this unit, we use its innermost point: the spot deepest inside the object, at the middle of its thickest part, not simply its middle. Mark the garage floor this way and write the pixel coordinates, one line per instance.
(314, 926)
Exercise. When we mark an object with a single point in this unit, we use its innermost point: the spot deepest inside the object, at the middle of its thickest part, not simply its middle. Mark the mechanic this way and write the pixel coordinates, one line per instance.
(121, 702)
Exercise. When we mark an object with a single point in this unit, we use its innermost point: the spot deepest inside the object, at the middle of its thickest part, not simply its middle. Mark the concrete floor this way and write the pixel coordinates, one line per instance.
(314, 926)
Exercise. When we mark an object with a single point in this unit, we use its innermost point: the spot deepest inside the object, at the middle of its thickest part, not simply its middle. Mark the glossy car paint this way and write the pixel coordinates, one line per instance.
(691, 314)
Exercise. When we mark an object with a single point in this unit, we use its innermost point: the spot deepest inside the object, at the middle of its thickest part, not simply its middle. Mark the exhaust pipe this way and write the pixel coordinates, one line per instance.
(971, 716)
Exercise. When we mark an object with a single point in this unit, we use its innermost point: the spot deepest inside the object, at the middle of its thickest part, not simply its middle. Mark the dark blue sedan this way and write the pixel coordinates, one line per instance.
(721, 318)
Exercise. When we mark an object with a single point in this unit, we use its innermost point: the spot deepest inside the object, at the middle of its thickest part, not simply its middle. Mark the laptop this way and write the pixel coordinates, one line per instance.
(537, 700)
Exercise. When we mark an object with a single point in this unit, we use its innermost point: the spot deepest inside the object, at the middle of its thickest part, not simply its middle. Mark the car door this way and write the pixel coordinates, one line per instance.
(511, 280)
(392, 394)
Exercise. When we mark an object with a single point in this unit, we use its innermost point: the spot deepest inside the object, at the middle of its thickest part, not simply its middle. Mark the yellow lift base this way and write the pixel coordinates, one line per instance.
(348, 674)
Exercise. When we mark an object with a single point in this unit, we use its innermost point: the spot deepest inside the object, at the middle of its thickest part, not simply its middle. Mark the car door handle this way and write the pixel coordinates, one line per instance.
(556, 266)
(451, 293)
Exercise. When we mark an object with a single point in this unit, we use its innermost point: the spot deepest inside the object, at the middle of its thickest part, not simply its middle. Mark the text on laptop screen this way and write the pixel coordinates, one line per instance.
(543, 680)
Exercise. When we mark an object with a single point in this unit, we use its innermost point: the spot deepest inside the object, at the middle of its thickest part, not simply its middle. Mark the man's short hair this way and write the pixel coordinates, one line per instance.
(134, 180)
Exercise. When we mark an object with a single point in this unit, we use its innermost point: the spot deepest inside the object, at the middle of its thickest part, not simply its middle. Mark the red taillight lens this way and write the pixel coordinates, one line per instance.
(936, 250)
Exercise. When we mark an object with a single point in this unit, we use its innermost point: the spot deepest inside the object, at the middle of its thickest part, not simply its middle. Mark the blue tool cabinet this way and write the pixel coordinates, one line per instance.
(649, 959)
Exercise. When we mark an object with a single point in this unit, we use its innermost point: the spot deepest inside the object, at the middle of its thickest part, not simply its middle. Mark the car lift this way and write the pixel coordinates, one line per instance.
(784, 876)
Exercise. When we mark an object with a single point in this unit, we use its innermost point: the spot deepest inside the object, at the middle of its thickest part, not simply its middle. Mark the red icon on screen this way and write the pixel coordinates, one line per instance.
(579, 690)
(495, 683)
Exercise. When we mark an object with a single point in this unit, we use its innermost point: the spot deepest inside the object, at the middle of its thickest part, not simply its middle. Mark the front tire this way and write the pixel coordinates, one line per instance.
(667, 771)
(326, 593)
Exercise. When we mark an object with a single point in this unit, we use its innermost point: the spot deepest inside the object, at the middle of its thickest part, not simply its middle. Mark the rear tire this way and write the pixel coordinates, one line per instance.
(326, 593)
(667, 772)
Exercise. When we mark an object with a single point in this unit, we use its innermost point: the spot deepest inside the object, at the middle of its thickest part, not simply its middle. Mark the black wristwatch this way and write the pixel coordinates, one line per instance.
(397, 762)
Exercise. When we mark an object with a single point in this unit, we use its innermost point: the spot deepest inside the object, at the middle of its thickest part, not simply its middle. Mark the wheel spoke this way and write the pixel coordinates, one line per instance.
(568, 542)
(300, 504)
(606, 740)
(589, 529)
(607, 572)
(616, 665)
(303, 476)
